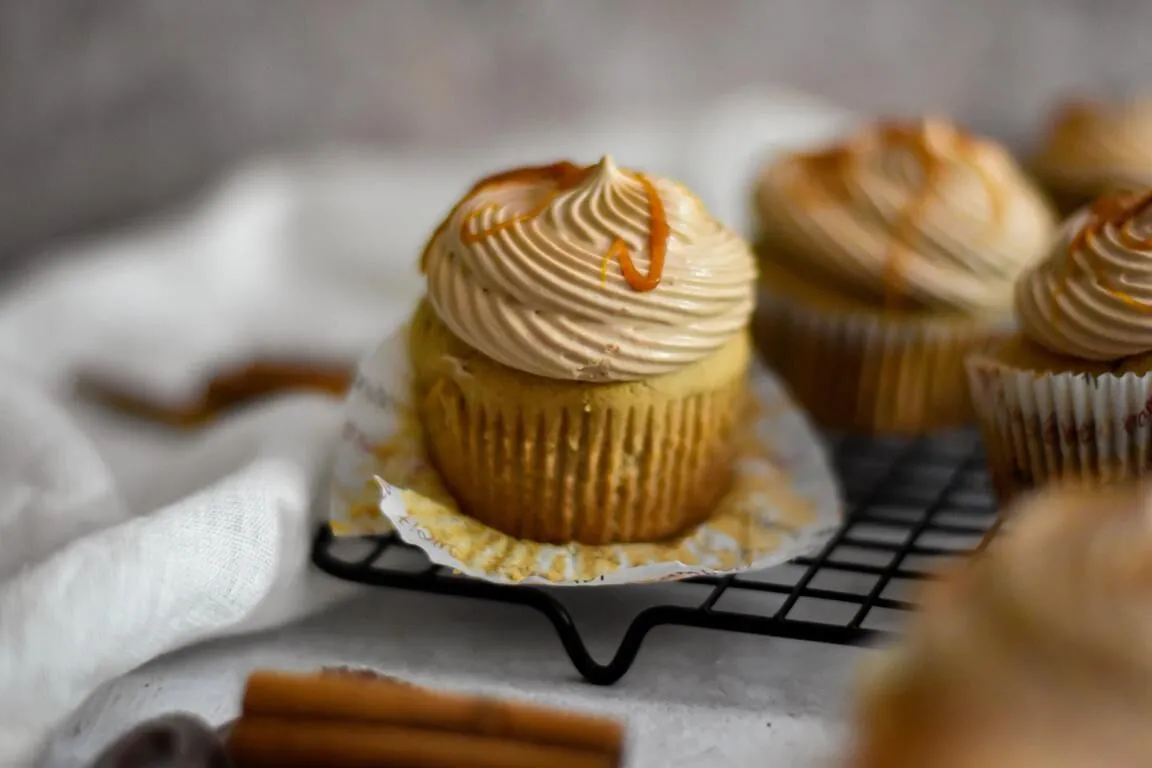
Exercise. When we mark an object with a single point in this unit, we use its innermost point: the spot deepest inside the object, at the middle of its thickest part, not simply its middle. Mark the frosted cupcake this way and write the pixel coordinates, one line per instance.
(1094, 149)
(580, 361)
(1035, 653)
(1070, 396)
(885, 259)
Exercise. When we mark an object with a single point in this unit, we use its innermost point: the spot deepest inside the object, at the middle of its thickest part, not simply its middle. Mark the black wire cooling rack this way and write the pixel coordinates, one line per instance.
(910, 503)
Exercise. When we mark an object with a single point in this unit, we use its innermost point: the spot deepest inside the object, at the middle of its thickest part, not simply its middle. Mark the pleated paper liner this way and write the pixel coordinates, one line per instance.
(1076, 428)
(557, 462)
(784, 501)
(868, 372)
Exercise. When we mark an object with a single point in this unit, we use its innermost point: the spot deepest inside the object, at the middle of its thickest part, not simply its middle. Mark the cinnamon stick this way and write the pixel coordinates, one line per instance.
(339, 698)
(225, 391)
(262, 742)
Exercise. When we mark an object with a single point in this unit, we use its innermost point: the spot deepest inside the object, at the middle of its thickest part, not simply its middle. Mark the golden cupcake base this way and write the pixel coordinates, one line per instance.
(867, 370)
(558, 461)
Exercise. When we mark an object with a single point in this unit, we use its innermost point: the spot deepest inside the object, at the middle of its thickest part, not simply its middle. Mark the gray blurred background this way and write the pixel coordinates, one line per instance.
(110, 109)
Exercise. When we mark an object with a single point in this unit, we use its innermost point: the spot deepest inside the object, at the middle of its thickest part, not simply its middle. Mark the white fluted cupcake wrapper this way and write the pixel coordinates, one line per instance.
(1069, 427)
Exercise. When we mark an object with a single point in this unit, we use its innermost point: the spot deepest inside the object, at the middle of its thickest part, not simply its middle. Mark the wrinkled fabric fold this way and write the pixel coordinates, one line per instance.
(93, 589)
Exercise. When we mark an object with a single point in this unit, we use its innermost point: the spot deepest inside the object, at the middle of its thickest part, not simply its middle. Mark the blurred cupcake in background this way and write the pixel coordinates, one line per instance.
(1070, 396)
(1036, 653)
(884, 260)
(581, 359)
(1093, 149)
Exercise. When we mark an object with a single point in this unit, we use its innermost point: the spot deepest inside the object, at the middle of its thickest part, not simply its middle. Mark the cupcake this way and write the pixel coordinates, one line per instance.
(580, 360)
(884, 260)
(1070, 396)
(1094, 149)
(1036, 652)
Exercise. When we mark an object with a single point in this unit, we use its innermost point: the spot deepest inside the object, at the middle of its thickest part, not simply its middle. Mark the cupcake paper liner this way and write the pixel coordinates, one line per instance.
(556, 461)
(784, 500)
(1067, 427)
(592, 477)
(871, 373)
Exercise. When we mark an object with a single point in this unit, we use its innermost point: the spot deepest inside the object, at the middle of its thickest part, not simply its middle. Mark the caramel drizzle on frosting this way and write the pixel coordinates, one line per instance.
(564, 176)
(841, 162)
(1117, 212)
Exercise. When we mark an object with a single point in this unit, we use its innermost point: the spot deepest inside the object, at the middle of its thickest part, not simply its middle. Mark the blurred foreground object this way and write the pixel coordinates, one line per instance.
(1036, 652)
(356, 718)
(173, 741)
(346, 721)
(183, 741)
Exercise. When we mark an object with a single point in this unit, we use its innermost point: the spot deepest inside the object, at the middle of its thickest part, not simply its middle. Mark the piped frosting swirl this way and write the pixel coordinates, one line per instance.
(910, 215)
(595, 273)
(1092, 297)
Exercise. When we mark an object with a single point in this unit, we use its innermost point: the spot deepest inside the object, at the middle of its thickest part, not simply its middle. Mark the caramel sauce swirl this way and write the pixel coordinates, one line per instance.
(1092, 297)
(563, 174)
(520, 270)
(908, 215)
(566, 176)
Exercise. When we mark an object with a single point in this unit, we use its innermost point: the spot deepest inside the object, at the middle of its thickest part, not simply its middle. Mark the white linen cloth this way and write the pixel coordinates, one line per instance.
(120, 543)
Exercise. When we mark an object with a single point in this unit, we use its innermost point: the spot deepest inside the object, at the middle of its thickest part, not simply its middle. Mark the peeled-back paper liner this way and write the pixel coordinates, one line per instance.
(871, 372)
(783, 504)
(1074, 427)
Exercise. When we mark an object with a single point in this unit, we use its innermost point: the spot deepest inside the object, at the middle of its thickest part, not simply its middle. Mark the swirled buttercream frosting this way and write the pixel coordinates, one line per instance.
(1092, 297)
(916, 215)
(596, 273)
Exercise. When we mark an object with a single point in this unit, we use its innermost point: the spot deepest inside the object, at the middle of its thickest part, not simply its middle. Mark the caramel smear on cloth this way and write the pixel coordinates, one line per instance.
(363, 721)
(226, 391)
